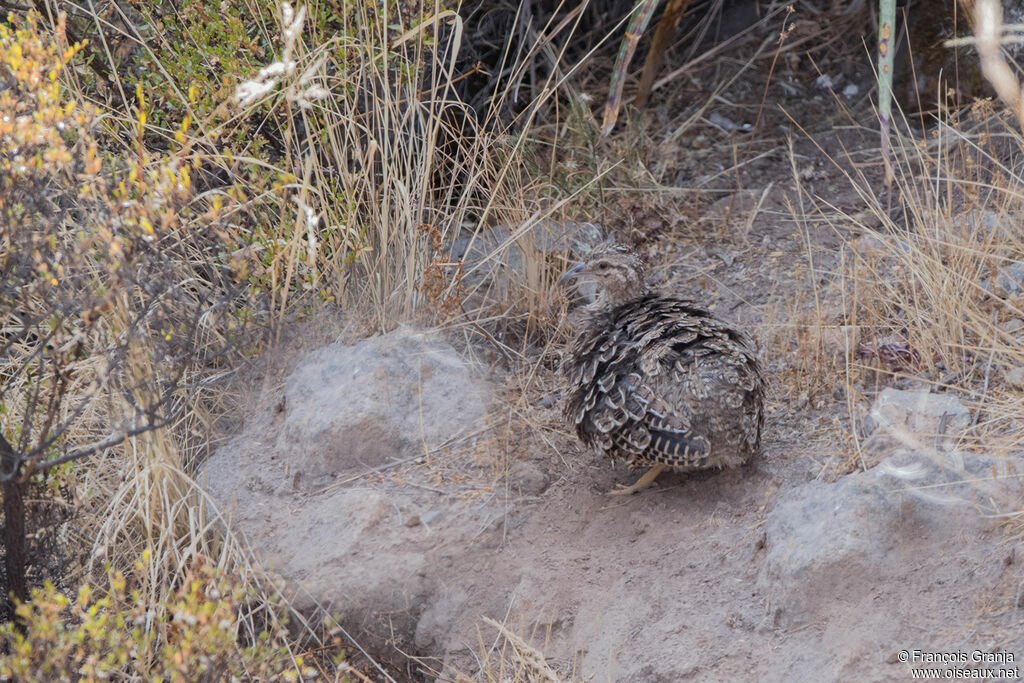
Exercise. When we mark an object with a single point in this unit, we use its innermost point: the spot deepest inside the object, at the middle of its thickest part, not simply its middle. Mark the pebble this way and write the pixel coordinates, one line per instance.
(1015, 378)
(723, 122)
(1012, 325)
(1009, 280)
(430, 517)
(528, 479)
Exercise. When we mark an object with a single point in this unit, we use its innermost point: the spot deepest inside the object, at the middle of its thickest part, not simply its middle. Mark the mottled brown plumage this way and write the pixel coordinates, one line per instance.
(655, 379)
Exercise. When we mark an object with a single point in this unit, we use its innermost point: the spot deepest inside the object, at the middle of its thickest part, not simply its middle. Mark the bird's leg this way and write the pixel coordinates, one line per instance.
(643, 481)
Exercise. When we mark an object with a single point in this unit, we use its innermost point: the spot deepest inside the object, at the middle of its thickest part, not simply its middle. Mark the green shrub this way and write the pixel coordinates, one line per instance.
(115, 633)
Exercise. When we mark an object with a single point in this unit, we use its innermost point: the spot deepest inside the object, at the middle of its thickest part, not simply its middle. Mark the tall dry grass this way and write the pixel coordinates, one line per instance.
(925, 283)
(394, 159)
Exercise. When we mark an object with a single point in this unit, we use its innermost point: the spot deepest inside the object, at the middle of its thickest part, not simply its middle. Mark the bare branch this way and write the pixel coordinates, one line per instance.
(109, 442)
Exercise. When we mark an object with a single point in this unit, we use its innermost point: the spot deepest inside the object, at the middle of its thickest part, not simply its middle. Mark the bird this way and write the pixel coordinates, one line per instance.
(654, 378)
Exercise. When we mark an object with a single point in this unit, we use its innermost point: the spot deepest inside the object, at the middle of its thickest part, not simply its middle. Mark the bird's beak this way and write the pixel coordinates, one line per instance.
(570, 274)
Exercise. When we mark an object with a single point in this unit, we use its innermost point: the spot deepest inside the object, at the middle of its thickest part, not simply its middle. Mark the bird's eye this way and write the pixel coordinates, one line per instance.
(603, 265)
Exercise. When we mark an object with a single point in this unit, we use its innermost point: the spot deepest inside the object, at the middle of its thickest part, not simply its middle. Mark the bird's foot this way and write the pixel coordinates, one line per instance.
(643, 481)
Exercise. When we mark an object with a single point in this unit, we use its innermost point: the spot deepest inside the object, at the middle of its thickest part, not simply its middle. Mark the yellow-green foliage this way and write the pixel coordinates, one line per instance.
(82, 226)
(193, 56)
(37, 123)
(115, 634)
(49, 157)
(109, 257)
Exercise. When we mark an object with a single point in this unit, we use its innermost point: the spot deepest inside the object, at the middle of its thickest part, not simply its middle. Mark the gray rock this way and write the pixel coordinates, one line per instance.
(576, 239)
(1009, 280)
(1012, 325)
(825, 528)
(830, 543)
(877, 244)
(918, 419)
(947, 478)
(987, 225)
(431, 517)
(433, 626)
(294, 483)
(386, 398)
(725, 123)
(550, 240)
(1015, 378)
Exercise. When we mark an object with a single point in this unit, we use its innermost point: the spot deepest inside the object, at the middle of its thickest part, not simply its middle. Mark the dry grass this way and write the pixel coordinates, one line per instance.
(921, 296)
(507, 655)
(123, 333)
(527, 662)
(394, 164)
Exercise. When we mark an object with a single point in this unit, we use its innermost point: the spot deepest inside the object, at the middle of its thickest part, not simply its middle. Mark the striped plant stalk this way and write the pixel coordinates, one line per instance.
(641, 17)
(886, 51)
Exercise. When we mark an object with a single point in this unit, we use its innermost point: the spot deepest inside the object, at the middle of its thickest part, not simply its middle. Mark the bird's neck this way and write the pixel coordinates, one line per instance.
(609, 300)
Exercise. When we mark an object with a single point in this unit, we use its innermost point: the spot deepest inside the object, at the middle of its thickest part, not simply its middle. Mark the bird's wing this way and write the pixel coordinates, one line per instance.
(660, 428)
(629, 416)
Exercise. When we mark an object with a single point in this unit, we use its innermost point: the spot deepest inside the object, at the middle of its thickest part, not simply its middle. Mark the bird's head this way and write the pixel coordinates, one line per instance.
(616, 271)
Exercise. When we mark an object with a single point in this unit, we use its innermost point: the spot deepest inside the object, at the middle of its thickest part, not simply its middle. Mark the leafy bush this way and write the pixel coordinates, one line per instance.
(118, 299)
(117, 633)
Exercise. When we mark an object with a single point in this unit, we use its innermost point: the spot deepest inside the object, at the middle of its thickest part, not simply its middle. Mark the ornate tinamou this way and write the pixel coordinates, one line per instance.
(657, 380)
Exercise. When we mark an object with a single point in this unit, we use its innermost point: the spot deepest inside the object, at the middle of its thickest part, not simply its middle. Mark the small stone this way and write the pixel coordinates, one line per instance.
(1012, 325)
(872, 243)
(430, 517)
(868, 243)
(413, 521)
(527, 479)
(1009, 280)
(1015, 378)
(547, 401)
(723, 122)
(850, 91)
(919, 416)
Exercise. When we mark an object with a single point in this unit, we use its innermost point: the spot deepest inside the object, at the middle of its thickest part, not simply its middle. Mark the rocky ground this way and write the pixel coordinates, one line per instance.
(394, 483)
(765, 573)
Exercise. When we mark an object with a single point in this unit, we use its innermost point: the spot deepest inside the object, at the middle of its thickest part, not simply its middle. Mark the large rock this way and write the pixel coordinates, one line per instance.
(834, 543)
(387, 398)
(299, 482)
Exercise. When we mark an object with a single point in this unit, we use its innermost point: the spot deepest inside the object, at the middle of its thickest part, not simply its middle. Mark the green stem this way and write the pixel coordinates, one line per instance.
(886, 50)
